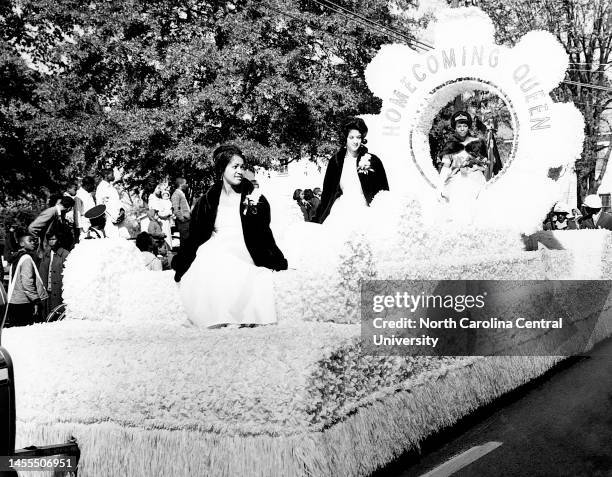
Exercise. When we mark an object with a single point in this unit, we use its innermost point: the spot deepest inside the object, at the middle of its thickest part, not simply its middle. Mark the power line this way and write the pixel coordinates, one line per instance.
(364, 21)
(586, 71)
(358, 15)
(587, 63)
(426, 47)
(587, 85)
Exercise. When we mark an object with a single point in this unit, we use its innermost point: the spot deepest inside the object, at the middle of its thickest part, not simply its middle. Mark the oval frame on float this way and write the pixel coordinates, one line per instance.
(467, 85)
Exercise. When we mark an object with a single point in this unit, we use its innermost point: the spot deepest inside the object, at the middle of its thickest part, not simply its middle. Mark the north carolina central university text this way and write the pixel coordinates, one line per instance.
(465, 323)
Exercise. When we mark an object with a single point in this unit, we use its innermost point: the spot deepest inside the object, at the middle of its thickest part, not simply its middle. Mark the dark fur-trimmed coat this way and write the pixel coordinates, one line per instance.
(476, 148)
(258, 236)
(371, 183)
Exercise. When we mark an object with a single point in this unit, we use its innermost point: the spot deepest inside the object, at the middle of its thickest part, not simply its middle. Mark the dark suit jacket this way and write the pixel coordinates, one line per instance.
(48, 222)
(604, 222)
(57, 269)
(371, 183)
(256, 230)
(314, 202)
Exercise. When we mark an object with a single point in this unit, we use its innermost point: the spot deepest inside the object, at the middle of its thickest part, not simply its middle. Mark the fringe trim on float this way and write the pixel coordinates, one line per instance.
(363, 442)
(366, 440)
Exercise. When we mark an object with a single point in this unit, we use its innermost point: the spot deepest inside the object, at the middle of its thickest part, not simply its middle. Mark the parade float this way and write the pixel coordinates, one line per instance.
(144, 393)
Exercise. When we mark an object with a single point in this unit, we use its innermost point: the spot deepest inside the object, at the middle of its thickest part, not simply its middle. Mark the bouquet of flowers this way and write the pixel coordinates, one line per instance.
(365, 164)
(471, 162)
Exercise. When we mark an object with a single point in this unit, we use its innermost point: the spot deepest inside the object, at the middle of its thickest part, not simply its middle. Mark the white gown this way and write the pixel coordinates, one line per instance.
(464, 185)
(318, 247)
(223, 285)
(347, 208)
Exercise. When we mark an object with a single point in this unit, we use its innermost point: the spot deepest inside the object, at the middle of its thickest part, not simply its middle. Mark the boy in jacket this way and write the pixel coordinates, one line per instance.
(26, 290)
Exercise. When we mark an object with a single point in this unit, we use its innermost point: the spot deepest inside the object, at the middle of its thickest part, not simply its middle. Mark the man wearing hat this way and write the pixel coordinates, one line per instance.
(97, 220)
(593, 217)
(559, 218)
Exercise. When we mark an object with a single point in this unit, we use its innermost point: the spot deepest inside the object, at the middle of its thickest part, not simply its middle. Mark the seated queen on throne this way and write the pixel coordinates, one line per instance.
(465, 165)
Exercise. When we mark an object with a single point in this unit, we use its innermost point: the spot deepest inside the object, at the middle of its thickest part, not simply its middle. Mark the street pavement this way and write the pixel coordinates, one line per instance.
(559, 425)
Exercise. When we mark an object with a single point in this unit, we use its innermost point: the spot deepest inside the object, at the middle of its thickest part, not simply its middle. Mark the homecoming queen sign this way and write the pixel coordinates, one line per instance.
(414, 87)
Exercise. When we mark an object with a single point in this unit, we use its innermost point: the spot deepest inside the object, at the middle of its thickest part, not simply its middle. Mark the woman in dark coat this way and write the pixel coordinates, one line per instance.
(223, 266)
(352, 171)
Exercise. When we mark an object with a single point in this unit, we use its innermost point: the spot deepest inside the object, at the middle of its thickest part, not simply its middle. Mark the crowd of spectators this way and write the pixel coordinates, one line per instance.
(308, 200)
(33, 256)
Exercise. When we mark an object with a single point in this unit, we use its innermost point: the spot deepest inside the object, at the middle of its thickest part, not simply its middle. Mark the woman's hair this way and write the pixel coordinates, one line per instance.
(144, 242)
(222, 157)
(67, 201)
(357, 124)
(308, 194)
(60, 236)
(296, 194)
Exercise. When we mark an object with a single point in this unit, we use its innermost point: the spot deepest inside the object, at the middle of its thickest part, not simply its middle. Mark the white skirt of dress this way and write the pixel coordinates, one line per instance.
(462, 191)
(223, 288)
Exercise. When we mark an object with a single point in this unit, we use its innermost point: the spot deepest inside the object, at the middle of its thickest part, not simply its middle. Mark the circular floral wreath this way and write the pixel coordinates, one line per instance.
(415, 86)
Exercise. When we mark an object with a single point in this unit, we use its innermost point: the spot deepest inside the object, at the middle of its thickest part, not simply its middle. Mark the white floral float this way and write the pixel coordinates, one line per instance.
(145, 395)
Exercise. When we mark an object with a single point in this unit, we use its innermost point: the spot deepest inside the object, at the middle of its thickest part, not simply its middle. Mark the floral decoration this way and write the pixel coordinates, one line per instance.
(364, 165)
(92, 277)
(251, 201)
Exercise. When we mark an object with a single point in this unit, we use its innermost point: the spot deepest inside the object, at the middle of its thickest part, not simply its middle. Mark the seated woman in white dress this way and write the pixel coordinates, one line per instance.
(225, 266)
(352, 173)
(464, 162)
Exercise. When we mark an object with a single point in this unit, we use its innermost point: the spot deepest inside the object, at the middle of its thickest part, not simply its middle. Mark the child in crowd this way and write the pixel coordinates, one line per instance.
(165, 217)
(26, 290)
(145, 244)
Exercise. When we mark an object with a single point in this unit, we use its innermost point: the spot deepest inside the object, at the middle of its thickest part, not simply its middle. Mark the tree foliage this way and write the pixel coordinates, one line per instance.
(152, 86)
(584, 28)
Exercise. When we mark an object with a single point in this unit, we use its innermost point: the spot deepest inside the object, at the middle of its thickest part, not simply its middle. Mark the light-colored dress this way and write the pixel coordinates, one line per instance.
(465, 183)
(223, 285)
(107, 194)
(165, 217)
(325, 242)
(151, 262)
(351, 204)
